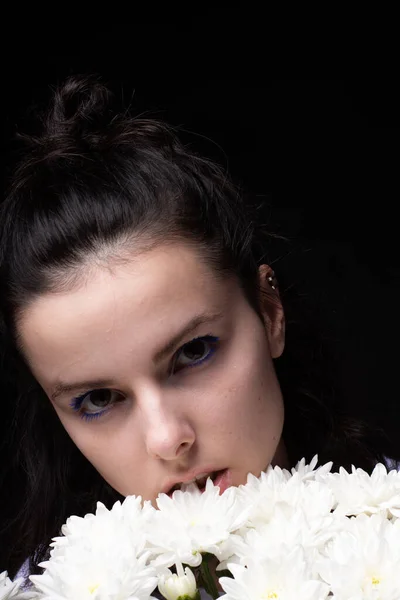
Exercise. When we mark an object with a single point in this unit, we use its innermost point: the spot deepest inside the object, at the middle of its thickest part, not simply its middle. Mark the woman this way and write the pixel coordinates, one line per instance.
(143, 326)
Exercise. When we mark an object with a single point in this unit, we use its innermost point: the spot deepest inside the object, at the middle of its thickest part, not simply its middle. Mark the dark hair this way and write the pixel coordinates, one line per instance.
(93, 184)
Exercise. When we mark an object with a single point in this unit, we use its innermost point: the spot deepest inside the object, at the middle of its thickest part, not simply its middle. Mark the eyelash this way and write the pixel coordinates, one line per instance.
(76, 403)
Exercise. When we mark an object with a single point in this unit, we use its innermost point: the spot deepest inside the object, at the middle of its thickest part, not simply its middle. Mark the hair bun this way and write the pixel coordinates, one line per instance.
(79, 108)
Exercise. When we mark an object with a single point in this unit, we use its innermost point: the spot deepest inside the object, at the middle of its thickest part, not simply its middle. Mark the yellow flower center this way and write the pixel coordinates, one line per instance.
(93, 588)
(268, 595)
(371, 581)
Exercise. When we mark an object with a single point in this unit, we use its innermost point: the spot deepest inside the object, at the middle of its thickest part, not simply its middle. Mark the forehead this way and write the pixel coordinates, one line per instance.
(152, 294)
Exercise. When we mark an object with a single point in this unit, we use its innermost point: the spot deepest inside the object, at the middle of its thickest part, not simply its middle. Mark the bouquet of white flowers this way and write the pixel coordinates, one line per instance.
(304, 534)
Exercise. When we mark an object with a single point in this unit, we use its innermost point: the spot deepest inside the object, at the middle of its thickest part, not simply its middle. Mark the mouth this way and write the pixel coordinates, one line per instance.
(220, 478)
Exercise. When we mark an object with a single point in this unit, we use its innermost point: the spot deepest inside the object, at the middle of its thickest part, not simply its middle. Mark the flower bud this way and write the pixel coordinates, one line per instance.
(179, 587)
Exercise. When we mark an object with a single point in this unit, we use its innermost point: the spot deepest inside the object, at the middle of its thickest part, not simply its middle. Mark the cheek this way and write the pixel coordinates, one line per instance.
(114, 454)
(94, 440)
(246, 397)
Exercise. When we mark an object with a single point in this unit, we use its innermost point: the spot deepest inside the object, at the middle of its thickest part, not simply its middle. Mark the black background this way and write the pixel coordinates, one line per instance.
(321, 153)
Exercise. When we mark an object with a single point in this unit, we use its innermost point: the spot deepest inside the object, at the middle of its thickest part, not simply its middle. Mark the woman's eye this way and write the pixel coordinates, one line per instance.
(95, 403)
(197, 351)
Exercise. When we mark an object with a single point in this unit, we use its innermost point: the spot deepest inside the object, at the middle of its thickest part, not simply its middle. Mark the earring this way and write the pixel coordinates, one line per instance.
(273, 282)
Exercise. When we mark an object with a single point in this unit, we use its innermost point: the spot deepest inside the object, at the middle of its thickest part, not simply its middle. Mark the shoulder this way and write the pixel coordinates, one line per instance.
(24, 573)
(23, 570)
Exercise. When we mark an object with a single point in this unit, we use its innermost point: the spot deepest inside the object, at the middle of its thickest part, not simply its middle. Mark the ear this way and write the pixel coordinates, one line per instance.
(272, 311)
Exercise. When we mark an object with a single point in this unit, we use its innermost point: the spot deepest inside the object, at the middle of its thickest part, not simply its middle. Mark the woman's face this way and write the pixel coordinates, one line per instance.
(155, 407)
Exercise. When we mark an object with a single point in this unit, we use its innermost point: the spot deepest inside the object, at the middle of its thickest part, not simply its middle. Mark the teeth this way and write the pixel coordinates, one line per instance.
(199, 479)
(186, 483)
(203, 476)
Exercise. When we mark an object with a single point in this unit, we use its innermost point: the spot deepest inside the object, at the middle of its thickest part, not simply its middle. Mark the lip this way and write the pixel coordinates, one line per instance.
(223, 480)
(189, 475)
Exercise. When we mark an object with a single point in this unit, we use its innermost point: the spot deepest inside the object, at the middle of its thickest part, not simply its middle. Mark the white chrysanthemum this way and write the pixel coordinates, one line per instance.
(363, 561)
(8, 588)
(100, 556)
(181, 585)
(89, 577)
(285, 578)
(262, 493)
(282, 534)
(306, 472)
(277, 487)
(11, 590)
(358, 492)
(193, 522)
(125, 524)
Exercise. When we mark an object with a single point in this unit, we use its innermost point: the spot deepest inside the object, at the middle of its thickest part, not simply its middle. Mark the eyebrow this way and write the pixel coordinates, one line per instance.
(61, 388)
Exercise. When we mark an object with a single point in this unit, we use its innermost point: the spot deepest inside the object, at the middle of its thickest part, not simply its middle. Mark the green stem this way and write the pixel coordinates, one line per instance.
(208, 579)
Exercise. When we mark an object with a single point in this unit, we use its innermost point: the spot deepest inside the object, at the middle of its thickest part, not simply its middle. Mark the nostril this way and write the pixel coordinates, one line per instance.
(183, 447)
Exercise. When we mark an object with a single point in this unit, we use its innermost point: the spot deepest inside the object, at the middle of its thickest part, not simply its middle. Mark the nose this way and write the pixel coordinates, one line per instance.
(168, 434)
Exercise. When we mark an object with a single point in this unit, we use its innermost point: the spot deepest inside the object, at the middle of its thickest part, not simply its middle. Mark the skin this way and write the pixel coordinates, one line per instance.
(225, 413)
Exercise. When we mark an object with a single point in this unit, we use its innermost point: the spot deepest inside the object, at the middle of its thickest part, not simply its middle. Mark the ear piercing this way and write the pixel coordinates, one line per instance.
(273, 282)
